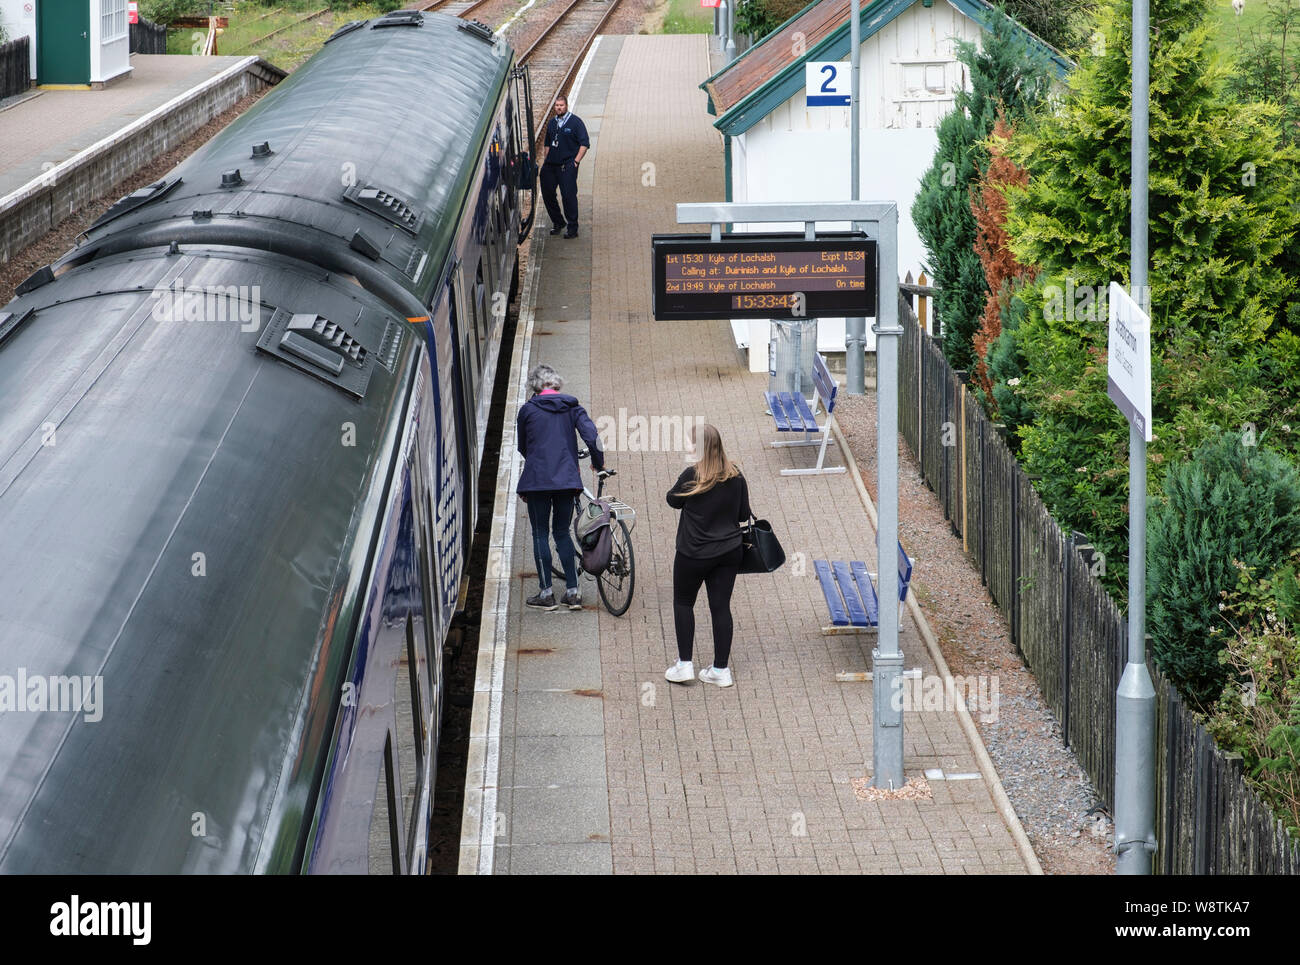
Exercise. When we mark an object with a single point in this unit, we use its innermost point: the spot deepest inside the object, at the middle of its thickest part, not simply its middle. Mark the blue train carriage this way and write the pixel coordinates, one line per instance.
(242, 426)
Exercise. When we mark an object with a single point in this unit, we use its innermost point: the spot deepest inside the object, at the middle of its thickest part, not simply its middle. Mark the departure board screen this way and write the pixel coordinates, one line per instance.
(764, 276)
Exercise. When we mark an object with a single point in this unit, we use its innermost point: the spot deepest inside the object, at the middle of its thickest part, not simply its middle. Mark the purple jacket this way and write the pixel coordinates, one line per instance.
(545, 436)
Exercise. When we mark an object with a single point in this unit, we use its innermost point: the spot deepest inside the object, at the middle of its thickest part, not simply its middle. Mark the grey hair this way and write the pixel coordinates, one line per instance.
(544, 377)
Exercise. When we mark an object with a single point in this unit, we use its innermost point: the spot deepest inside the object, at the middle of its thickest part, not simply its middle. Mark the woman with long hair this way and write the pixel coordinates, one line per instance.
(714, 499)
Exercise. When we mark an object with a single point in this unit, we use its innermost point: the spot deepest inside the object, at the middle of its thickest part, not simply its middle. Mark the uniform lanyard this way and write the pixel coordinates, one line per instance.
(559, 126)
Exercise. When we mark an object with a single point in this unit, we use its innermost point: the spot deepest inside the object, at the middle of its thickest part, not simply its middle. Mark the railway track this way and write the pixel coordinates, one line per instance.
(555, 54)
(457, 8)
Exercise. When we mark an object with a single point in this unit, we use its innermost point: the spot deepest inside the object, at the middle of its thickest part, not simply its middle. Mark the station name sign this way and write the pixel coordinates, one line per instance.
(764, 276)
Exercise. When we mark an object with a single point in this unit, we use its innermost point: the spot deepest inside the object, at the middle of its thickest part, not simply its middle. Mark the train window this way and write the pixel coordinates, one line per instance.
(482, 308)
(384, 848)
(427, 557)
(409, 726)
(466, 322)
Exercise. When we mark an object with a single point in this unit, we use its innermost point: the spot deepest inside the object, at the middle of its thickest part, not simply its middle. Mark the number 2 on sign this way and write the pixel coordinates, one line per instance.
(826, 84)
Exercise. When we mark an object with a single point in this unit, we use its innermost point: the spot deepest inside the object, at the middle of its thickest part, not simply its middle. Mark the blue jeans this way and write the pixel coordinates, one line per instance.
(553, 512)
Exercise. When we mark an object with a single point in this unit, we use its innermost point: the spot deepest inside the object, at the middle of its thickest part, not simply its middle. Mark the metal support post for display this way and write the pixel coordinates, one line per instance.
(731, 31)
(855, 329)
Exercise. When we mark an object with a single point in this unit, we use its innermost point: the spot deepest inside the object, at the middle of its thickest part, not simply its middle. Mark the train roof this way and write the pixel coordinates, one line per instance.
(179, 517)
(369, 148)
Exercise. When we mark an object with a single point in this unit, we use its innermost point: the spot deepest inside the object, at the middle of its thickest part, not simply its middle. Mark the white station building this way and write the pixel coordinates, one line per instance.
(779, 147)
(74, 43)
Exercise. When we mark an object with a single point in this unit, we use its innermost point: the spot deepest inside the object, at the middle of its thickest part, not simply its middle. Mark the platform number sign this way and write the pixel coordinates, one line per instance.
(827, 83)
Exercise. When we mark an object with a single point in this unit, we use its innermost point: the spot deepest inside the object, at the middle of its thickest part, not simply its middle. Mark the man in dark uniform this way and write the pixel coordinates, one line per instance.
(566, 144)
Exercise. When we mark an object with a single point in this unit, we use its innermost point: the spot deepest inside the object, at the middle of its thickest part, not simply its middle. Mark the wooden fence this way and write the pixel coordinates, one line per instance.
(1209, 820)
(15, 67)
(148, 37)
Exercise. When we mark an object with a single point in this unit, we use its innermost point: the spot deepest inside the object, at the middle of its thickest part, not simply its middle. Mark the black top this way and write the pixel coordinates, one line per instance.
(708, 524)
(562, 143)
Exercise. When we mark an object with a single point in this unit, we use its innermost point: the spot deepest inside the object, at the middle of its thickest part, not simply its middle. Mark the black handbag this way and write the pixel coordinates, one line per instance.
(761, 551)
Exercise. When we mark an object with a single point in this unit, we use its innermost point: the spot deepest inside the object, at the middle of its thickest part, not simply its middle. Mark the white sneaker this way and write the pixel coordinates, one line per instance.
(680, 672)
(722, 677)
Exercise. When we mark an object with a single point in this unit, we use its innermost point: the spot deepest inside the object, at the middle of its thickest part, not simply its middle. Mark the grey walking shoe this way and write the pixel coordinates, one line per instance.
(572, 599)
(542, 601)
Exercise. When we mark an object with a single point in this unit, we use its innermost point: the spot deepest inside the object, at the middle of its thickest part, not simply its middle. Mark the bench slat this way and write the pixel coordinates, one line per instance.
(843, 576)
(904, 573)
(826, 385)
(778, 411)
(804, 413)
(838, 617)
(868, 590)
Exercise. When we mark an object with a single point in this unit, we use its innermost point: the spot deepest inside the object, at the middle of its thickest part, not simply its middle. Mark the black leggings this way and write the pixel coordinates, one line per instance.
(719, 578)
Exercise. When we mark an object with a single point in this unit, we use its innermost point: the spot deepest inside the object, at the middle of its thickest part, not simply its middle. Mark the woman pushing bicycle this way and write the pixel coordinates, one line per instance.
(551, 477)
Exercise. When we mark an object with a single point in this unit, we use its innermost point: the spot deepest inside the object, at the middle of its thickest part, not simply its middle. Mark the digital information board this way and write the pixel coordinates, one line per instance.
(764, 276)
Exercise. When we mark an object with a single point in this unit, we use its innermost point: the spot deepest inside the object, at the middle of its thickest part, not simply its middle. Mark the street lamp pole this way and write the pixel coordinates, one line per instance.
(1135, 704)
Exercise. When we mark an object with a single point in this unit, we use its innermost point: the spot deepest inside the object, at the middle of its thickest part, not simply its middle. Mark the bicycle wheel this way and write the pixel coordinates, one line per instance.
(619, 579)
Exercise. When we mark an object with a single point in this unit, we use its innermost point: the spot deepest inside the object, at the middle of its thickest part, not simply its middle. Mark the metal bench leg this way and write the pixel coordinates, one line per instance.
(807, 440)
(820, 469)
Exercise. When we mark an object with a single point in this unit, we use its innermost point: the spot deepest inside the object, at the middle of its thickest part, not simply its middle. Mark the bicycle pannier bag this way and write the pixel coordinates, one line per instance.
(592, 532)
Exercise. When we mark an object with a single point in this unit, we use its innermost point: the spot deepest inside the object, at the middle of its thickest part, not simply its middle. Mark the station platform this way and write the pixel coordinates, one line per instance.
(583, 758)
(43, 128)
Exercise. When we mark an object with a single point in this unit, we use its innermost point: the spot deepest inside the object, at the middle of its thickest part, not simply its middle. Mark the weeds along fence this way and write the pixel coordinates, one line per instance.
(15, 66)
(148, 37)
(1209, 820)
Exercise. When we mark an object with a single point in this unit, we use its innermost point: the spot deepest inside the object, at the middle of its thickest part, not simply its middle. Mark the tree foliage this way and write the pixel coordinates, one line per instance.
(1220, 191)
(1267, 67)
(1004, 75)
(1065, 24)
(1258, 714)
(992, 243)
(758, 18)
(1231, 506)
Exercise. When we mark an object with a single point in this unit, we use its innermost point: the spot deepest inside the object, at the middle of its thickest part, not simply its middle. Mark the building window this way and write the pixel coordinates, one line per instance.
(924, 78)
(112, 21)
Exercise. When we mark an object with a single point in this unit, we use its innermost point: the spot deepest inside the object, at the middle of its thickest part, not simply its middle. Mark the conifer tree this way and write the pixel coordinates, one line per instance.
(1233, 505)
(1006, 74)
(1221, 185)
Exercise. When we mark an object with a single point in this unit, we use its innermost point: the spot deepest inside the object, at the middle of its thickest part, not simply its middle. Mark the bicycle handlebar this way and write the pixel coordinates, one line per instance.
(602, 473)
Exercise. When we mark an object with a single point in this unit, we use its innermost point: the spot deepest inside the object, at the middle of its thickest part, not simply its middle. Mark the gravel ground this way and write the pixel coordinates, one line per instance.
(1047, 787)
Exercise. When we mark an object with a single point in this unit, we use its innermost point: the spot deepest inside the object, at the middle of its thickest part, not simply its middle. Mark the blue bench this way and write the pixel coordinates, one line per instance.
(851, 596)
(791, 412)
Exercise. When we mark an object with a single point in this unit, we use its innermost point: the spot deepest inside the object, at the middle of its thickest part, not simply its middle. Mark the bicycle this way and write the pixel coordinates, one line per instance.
(616, 584)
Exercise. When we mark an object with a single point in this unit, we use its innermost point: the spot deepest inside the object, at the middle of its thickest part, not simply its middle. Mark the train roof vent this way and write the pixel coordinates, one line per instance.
(347, 28)
(326, 349)
(400, 18)
(385, 204)
(10, 322)
(479, 29)
(137, 199)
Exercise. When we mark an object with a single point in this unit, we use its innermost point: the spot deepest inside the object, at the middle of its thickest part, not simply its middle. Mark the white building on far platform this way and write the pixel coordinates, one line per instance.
(777, 148)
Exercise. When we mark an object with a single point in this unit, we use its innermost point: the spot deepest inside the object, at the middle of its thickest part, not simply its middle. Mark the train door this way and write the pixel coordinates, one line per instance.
(461, 301)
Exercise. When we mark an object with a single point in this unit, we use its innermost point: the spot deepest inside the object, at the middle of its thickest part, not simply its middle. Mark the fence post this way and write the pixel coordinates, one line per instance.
(984, 512)
(1078, 544)
(959, 444)
(1015, 561)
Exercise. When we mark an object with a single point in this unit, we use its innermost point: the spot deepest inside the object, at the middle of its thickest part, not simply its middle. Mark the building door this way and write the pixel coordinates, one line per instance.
(63, 41)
